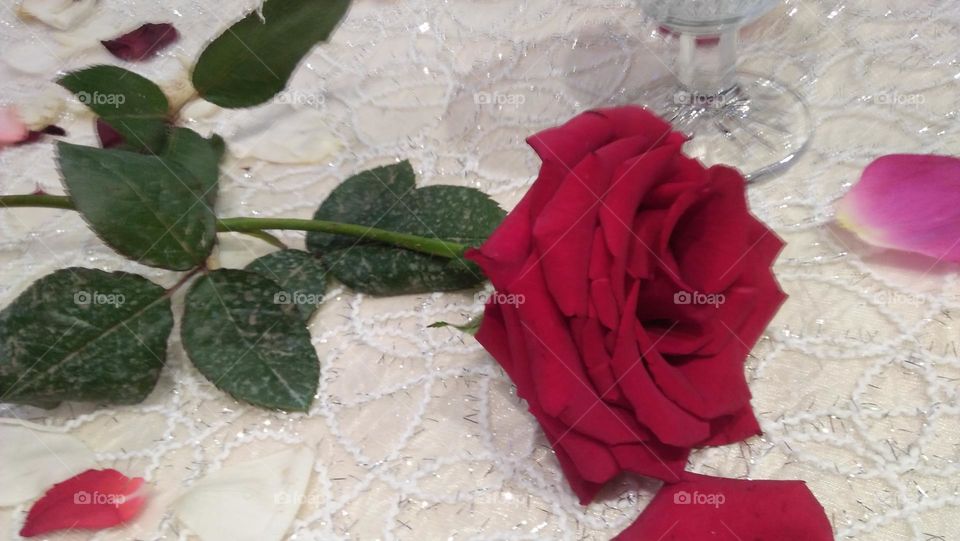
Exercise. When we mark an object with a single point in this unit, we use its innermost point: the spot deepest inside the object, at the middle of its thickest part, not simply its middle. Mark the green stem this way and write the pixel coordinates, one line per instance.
(258, 227)
(426, 245)
(37, 200)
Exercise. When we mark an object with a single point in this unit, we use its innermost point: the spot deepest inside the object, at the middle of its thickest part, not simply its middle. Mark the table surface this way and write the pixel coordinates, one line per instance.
(418, 433)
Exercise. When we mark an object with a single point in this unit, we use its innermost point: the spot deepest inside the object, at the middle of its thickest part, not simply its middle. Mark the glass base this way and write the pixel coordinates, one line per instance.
(759, 125)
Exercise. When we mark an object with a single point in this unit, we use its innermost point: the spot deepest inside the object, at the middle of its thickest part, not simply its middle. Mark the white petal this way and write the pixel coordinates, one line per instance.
(252, 501)
(281, 134)
(60, 14)
(34, 458)
(44, 109)
(32, 58)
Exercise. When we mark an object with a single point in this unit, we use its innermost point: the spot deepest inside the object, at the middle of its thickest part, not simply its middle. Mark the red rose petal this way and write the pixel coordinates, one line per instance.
(92, 500)
(142, 42)
(716, 509)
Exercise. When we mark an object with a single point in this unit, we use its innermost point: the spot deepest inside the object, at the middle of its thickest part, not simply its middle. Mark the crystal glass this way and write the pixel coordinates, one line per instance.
(743, 119)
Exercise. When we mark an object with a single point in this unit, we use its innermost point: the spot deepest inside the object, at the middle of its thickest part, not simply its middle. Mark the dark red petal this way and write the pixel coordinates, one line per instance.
(35, 135)
(109, 137)
(92, 500)
(717, 509)
(142, 42)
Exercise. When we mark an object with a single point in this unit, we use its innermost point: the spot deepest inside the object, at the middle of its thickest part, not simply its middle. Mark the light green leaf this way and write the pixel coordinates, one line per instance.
(131, 104)
(385, 198)
(252, 60)
(157, 210)
(84, 335)
(247, 344)
(301, 276)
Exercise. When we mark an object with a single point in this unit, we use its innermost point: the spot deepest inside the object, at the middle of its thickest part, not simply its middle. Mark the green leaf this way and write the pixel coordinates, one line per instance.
(252, 60)
(157, 210)
(385, 198)
(200, 156)
(84, 335)
(301, 276)
(131, 104)
(256, 349)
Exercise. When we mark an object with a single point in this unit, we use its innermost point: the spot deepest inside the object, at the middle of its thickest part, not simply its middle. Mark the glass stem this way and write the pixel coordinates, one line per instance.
(706, 65)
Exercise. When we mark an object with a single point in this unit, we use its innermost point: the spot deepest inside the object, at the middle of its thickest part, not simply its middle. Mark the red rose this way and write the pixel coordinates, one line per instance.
(637, 281)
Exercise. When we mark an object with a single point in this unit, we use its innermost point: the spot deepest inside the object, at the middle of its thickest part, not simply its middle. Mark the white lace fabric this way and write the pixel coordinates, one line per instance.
(418, 433)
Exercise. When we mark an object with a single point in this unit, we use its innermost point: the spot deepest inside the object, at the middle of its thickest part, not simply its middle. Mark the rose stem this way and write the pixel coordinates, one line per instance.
(258, 226)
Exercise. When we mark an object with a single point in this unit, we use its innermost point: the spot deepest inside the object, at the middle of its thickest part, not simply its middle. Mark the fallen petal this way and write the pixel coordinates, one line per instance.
(252, 501)
(907, 202)
(60, 14)
(34, 457)
(92, 500)
(718, 509)
(35, 135)
(12, 128)
(109, 137)
(143, 42)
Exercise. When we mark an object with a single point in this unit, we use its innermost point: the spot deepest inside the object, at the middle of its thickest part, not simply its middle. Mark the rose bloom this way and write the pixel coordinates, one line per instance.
(645, 282)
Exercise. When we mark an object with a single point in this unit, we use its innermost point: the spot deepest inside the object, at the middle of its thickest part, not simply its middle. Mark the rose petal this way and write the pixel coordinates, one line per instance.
(60, 14)
(143, 42)
(12, 128)
(251, 501)
(907, 202)
(702, 508)
(109, 137)
(652, 409)
(36, 135)
(92, 500)
(34, 457)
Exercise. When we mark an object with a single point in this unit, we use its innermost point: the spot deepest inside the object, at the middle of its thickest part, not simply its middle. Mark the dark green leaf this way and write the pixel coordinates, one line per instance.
(132, 105)
(385, 198)
(252, 347)
(156, 210)
(84, 335)
(200, 156)
(252, 60)
(301, 276)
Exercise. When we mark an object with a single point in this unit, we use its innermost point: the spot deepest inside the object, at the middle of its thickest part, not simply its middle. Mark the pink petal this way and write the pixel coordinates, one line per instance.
(717, 509)
(92, 500)
(907, 202)
(142, 42)
(12, 129)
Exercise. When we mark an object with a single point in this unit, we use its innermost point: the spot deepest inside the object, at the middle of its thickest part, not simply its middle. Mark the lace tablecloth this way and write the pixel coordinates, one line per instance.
(418, 433)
